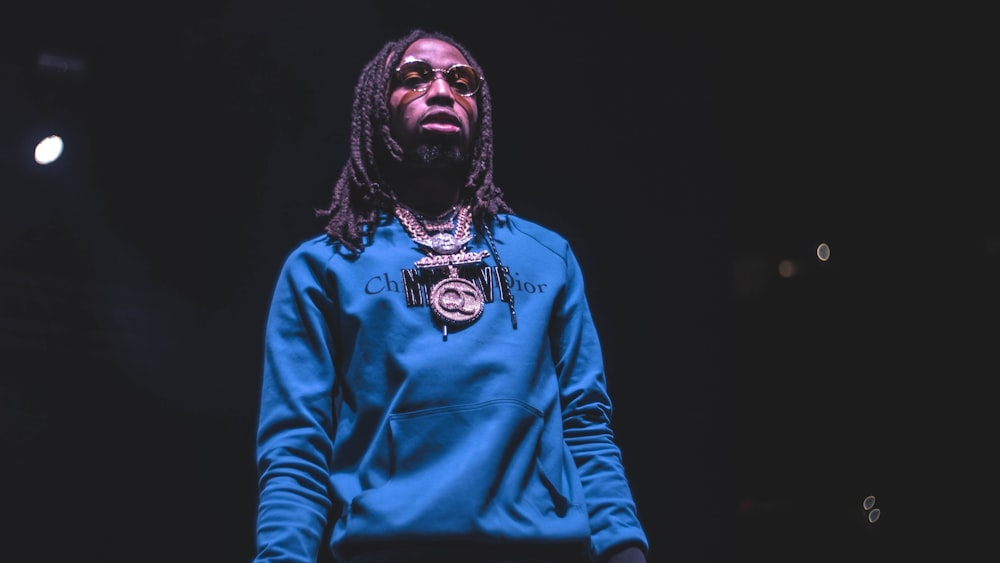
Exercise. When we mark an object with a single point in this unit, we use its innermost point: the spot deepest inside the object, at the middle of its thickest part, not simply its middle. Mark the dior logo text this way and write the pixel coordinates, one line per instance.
(415, 283)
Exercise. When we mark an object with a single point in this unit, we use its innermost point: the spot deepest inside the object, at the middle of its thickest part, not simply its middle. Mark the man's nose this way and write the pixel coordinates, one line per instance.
(439, 86)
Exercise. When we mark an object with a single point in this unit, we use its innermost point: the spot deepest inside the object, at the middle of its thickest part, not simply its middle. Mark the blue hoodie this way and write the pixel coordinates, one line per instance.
(377, 425)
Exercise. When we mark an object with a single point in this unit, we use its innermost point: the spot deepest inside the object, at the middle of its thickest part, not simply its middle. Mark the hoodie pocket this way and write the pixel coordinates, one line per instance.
(470, 469)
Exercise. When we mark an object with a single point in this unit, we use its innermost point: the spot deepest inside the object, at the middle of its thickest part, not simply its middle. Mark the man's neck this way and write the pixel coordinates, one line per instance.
(429, 192)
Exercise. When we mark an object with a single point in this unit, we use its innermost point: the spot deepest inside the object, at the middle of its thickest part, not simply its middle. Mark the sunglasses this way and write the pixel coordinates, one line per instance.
(418, 76)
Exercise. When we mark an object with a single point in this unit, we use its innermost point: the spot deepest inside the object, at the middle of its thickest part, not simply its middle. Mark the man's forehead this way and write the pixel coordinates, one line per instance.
(433, 51)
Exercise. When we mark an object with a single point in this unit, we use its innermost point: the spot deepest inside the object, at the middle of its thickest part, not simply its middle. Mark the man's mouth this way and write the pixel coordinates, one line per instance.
(441, 123)
(437, 127)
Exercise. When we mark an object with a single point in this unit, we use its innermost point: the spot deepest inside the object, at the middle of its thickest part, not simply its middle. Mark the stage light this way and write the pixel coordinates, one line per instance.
(823, 252)
(48, 149)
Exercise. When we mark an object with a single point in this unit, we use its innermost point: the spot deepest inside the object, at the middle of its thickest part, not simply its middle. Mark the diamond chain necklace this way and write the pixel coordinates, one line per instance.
(442, 241)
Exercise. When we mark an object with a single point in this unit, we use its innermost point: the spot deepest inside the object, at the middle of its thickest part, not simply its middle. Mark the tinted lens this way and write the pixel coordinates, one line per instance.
(463, 79)
(415, 75)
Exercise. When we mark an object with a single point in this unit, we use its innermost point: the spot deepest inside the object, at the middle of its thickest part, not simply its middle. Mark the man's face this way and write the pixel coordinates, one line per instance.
(434, 126)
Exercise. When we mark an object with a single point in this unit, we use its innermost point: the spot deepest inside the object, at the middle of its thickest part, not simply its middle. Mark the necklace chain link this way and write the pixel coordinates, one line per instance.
(449, 237)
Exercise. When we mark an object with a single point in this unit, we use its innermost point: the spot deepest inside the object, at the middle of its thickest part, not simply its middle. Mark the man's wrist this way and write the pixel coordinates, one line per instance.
(631, 554)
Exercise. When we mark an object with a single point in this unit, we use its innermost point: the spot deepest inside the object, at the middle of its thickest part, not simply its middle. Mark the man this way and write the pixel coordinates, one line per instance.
(409, 411)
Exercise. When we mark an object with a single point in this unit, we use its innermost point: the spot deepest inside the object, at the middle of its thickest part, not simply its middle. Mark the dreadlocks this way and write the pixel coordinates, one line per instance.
(361, 194)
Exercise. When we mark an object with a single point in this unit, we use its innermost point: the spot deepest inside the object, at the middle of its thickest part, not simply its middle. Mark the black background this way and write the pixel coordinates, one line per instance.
(684, 152)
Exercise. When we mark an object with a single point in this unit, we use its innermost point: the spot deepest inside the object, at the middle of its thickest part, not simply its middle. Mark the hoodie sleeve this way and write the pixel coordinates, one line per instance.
(586, 413)
(296, 425)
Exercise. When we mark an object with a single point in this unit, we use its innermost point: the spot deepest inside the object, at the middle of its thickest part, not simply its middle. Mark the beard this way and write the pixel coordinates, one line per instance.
(438, 155)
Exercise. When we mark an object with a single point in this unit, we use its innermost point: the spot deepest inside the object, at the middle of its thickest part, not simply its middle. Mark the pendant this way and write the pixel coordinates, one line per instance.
(456, 301)
(445, 243)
